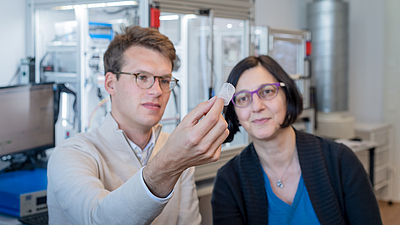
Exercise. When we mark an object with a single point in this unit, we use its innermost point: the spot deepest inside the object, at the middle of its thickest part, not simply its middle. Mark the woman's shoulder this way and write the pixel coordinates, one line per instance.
(331, 150)
(307, 139)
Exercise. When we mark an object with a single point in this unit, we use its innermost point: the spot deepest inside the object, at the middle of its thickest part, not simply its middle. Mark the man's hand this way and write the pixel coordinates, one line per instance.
(196, 141)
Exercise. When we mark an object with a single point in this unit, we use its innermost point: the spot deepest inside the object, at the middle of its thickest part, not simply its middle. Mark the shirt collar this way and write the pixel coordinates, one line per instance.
(149, 145)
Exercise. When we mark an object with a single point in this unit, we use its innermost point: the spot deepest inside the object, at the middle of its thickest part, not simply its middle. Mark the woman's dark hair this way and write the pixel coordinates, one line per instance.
(294, 100)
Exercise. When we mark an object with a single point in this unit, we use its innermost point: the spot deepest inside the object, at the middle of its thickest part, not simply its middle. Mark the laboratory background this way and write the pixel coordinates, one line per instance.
(344, 56)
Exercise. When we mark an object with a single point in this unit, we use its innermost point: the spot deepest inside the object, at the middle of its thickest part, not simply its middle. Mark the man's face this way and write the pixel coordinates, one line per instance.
(135, 107)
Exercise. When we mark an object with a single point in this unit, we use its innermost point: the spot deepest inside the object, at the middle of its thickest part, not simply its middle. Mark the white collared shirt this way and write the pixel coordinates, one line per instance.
(144, 155)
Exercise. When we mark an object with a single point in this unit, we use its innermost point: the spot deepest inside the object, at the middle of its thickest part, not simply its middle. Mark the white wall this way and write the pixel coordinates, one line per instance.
(285, 14)
(366, 59)
(392, 81)
(12, 37)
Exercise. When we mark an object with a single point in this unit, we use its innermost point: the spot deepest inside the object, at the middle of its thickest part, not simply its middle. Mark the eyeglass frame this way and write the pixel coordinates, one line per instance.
(277, 85)
(154, 80)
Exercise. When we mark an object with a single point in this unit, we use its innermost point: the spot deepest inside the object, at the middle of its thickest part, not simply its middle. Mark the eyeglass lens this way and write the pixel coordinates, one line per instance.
(266, 92)
(146, 80)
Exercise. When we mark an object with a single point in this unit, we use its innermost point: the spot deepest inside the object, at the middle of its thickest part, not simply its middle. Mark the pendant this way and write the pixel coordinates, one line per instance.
(279, 184)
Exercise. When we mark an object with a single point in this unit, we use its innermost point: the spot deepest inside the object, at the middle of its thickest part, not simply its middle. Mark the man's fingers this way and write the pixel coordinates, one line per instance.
(211, 118)
(198, 112)
(217, 107)
(209, 112)
(214, 151)
(216, 131)
(216, 144)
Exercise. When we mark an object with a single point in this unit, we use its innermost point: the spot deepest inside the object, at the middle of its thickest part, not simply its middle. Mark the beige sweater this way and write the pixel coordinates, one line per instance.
(95, 178)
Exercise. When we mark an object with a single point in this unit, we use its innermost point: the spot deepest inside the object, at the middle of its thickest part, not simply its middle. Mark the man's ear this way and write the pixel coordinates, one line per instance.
(109, 82)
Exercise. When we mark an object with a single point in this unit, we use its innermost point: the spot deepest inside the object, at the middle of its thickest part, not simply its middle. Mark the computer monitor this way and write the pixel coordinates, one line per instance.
(26, 119)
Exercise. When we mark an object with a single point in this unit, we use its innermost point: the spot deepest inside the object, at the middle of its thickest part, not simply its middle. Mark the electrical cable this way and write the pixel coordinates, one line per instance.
(57, 38)
(15, 75)
(176, 103)
(120, 10)
(211, 61)
(41, 69)
(204, 59)
(101, 103)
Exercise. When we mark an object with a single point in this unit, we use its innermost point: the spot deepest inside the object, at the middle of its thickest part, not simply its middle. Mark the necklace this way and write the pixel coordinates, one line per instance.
(279, 183)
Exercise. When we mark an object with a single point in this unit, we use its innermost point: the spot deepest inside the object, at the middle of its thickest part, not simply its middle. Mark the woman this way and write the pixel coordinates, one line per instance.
(285, 176)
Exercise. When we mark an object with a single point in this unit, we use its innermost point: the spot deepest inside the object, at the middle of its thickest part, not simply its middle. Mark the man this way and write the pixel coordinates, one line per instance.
(128, 171)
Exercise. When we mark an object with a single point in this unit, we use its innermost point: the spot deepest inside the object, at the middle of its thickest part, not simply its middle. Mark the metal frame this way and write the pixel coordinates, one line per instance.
(233, 9)
(34, 45)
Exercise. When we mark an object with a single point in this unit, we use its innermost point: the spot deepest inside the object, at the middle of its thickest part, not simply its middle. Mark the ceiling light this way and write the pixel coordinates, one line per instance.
(169, 17)
(96, 5)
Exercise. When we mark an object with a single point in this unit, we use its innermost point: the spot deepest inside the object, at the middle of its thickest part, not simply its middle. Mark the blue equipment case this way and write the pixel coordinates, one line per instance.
(101, 30)
(22, 182)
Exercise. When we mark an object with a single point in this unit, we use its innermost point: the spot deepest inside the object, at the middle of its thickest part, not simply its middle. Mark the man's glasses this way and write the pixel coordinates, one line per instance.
(146, 80)
(266, 92)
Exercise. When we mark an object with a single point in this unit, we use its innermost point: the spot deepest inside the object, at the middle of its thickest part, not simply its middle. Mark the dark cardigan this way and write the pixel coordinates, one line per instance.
(338, 186)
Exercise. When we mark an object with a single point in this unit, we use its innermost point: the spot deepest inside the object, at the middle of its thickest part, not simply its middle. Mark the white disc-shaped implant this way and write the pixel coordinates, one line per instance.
(226, 93)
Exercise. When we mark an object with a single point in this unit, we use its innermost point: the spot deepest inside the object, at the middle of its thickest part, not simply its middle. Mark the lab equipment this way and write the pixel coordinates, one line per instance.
(329, 23)
(65, 111)
(23, 194)
(60, 65)
(27, 71)
(292, 50)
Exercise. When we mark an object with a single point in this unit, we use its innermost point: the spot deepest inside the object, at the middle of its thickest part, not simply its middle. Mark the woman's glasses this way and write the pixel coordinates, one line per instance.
(266, 92)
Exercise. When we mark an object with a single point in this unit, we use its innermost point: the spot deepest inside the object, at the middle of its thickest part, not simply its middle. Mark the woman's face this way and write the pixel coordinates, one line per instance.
(261, 119)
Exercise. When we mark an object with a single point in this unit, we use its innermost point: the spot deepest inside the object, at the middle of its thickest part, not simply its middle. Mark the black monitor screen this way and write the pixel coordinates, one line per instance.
(26, 118)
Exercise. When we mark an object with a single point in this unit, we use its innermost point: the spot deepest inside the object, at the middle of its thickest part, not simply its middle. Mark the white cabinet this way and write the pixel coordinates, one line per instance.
(382, 135)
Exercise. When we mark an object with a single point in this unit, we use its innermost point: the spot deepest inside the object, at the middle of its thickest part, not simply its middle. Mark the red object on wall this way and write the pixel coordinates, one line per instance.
(154, 17)
(308, 48)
